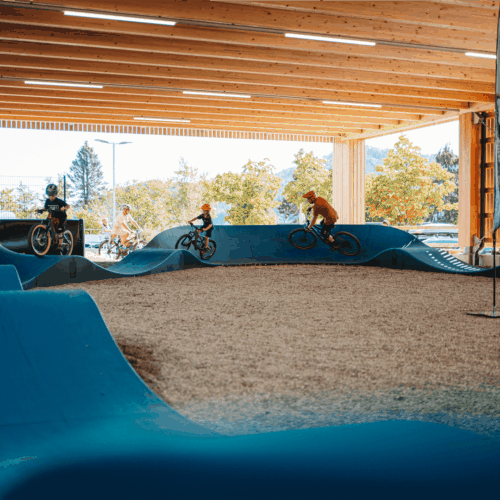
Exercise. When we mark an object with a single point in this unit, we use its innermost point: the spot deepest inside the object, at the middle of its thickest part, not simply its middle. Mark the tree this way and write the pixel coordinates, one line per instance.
(86, 175)
(251, 194)
(189, 191)
(310, 174)
(449, 160)
(26, 201)
(289, 211)
(409, 187)
(8, 202)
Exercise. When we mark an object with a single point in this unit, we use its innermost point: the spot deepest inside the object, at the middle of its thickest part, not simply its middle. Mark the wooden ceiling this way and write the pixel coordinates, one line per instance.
(417, 72)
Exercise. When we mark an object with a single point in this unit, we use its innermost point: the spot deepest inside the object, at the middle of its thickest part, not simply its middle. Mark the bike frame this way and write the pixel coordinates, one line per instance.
(195, 237)
(316, 230)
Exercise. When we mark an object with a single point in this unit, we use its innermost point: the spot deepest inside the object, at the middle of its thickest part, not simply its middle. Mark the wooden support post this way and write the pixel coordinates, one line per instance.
(468, 183)
(348, 177)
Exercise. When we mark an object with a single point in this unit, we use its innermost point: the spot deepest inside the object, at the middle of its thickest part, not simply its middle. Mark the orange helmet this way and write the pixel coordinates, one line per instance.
(309, 195)
(206, 207)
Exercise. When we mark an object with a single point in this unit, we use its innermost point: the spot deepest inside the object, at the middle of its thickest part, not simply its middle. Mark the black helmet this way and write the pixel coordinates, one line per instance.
(51, 190)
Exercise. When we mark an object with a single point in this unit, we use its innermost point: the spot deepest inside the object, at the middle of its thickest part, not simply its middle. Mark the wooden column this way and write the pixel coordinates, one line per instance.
(348, 177)
(468, 182)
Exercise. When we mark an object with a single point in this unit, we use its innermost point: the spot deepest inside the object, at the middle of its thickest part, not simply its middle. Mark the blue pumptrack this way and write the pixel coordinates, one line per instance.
(77, 422)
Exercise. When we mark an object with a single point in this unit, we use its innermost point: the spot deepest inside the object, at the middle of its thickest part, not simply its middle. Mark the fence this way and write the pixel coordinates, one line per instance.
(19, 196)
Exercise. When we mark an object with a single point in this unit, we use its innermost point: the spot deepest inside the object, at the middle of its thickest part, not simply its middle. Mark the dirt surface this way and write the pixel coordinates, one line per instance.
(315, 338)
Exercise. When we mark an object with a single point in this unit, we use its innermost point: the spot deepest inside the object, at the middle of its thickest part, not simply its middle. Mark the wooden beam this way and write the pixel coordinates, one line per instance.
(40, 116)
(152, 46)
(30, 103)
(247, 15)
(132, 58)
(206, 77)
(106, 127)
(420, 13)
(234, 87)
(163, 97)
(20, 110)
(155, 38)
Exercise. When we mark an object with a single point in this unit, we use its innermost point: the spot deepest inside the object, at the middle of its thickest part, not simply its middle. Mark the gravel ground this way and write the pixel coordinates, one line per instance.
(267, 348)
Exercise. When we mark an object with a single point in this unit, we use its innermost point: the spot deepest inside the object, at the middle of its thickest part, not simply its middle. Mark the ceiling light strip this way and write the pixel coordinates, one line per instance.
(58, 84)
(215, 94)
(354, 104)
(328, 39)
(147, 119)
(119, 18)
(476, 54)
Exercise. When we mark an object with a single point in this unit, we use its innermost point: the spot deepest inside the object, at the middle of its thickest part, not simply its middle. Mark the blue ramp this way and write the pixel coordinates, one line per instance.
(380, 246)
(9, 279)
(55, 270)
(76, 422)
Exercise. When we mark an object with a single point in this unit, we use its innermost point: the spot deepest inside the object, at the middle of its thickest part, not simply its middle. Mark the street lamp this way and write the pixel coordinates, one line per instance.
(119, 144)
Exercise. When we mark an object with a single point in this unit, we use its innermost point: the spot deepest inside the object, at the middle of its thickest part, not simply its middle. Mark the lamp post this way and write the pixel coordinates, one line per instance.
(119, 144)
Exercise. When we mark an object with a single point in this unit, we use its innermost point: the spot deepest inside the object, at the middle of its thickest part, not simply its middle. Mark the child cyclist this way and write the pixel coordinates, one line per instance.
(330, 216)
(58, 208)
(207, 224)
(120, 227)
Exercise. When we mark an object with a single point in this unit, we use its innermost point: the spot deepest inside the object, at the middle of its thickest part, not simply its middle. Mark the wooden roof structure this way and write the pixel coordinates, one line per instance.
(417, 72)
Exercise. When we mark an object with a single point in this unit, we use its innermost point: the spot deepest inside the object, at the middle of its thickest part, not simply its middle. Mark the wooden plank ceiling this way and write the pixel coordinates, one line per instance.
(418, 71)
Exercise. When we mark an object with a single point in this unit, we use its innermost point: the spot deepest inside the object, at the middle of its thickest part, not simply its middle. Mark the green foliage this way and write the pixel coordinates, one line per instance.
(289, 211)
(189, 192)
(26, 202)
(449, 160)
(310, 174)
(86, 175)
(251, 194)
(409, 187)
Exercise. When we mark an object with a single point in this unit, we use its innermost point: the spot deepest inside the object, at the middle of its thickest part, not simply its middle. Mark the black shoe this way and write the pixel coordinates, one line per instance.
(334, 246)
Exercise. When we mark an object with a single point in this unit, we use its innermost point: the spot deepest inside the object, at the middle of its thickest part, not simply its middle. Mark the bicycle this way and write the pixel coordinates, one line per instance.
(193, 238)
(109, 248)
(44, 235)
(116, 250)
(304, 239)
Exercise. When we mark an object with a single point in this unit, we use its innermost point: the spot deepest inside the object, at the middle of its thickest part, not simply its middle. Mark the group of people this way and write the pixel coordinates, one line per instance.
(320, 207)
(121, 228)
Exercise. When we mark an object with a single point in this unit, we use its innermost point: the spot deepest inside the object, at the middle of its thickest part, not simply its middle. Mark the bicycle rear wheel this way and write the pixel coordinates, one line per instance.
(184, 242)
(302, 239)
(212, 246)
(347, 243)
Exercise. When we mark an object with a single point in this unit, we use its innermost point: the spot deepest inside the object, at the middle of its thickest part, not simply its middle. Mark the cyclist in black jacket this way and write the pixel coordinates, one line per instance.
(58, 208)
(207, 223)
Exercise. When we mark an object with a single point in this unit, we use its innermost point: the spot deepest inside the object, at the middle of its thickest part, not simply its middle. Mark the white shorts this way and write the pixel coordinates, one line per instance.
(121, 232)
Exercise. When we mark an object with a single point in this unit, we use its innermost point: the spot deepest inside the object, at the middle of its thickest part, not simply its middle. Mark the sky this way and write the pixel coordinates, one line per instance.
(47, 153)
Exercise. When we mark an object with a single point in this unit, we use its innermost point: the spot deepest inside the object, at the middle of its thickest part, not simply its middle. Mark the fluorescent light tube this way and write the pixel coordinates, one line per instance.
(56, 84)
(180, 120)
(119, 18)
(217, 95)
(475, 54)
(353, 104)
(328, 39)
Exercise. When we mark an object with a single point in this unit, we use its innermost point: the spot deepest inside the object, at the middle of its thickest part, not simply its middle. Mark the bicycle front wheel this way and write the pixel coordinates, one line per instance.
(184, 242)
(67, 243)
(104, 248)
(140, 245)
(302, 239)
(347, 243)
(39, 239)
